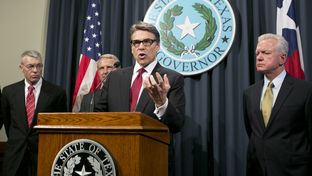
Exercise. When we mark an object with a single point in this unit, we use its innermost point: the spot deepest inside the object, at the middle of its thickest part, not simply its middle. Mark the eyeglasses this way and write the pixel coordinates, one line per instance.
(146, 42)
(31, 67)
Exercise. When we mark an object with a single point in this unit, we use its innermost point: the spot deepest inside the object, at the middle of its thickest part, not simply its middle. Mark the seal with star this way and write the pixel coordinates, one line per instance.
(83, 157)
(195, 35)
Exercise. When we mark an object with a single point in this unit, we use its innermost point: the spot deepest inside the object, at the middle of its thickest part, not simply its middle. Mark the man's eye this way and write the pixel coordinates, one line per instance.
(135, 42)
(147, 41)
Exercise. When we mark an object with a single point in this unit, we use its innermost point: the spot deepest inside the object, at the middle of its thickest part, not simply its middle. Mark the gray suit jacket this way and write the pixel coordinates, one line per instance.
(114, 97)
(21, 139)
(284, 146)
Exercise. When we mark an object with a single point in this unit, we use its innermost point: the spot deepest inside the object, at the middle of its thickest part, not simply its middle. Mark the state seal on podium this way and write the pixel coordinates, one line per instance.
(83, 157)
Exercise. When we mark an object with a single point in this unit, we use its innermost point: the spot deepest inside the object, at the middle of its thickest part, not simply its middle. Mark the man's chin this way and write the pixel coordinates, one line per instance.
(34, 81)
(261, 70)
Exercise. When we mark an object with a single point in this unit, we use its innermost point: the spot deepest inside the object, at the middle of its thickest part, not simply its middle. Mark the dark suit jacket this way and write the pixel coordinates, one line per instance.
(23, 141)
(284, 146)
(115, 94)
(88, 101)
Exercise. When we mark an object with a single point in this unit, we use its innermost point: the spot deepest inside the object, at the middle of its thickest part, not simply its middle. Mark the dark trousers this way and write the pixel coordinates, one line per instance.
(28, 166)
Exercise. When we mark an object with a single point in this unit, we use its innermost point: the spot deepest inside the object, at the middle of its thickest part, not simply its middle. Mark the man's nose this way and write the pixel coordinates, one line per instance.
(259, 57)
(105, 70)
(141, 46)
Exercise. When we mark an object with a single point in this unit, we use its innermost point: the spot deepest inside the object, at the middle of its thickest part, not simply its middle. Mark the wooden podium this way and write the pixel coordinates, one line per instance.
(137, 143)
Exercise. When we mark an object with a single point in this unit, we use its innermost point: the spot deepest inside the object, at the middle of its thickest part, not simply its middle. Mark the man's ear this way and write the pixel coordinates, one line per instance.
(283, 59)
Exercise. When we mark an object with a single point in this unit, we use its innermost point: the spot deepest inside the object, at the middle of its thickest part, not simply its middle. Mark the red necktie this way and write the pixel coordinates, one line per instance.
(30, 105)
(135, 89)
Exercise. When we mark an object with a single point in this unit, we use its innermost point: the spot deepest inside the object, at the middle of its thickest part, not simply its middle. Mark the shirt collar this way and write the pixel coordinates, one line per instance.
(277, 81)
(36, 86)
(149, 68)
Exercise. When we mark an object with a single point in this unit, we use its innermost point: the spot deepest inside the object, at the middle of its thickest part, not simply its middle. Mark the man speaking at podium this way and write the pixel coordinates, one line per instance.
(146, 86)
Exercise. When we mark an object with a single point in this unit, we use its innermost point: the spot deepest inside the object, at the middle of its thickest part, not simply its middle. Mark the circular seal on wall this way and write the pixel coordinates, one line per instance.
(195, 34)
(83, 157)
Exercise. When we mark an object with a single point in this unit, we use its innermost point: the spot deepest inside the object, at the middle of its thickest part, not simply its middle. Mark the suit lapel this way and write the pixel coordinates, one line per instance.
(43, 100)
(144, 98)
(257, 95)
(125, 85)
(281, 97)
(20, 95)
(43, 97)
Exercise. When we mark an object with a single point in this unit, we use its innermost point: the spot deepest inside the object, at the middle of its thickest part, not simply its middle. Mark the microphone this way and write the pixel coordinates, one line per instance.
(91, 107)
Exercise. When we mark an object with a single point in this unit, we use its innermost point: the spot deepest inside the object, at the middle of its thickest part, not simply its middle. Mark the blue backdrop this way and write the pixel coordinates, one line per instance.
(213, 140)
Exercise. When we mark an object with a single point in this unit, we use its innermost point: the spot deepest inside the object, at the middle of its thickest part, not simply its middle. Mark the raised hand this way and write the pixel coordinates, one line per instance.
(157, 90)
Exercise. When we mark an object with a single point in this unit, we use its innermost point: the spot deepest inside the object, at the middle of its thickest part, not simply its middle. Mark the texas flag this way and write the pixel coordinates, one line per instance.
(287, 27)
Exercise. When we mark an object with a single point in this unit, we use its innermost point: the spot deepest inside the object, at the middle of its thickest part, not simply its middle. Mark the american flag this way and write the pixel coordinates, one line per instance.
(91, 49)
(287, 27)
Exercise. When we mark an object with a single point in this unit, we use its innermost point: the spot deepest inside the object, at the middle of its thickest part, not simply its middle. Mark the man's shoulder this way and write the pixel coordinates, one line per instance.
(167, 71)
(122, 71)
(254, 86)
(51, 86)
(88, 95)
(13, 86)
(300, 84)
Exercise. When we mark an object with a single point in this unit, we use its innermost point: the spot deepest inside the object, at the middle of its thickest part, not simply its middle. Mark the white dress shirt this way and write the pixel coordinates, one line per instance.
(37, 88)
(277, 82)
(148, 71)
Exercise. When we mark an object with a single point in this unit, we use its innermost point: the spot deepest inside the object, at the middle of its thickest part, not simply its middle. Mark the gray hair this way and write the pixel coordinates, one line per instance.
(110, 56)
(31, 53)
(282, 44)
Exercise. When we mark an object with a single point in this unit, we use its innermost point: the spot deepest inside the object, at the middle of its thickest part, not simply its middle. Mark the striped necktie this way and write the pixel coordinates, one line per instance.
(30, 105)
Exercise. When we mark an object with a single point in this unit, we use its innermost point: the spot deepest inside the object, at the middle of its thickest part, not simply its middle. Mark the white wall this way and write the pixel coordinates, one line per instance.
(23, 26)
